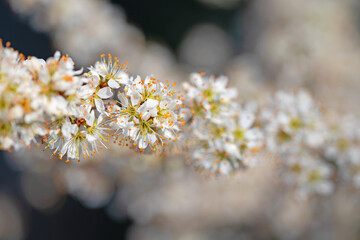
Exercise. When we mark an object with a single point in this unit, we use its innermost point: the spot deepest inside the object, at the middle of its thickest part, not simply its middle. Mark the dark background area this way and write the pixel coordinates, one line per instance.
(161, 20)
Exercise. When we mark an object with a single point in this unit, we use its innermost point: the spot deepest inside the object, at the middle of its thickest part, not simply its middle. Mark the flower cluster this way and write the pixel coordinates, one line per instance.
(83, 130)
(34, 93)
(308, 173)
(147, 114)
(77, 114)
(295, 129)
(343, 150)
(224, 138)
(292, 119)
(15, 100)
(144, 114)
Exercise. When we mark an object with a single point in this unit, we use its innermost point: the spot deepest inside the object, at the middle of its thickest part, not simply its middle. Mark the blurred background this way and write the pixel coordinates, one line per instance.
(262, 45)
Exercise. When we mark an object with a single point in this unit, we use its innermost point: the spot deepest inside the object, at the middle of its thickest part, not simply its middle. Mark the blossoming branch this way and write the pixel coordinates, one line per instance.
(76, 114)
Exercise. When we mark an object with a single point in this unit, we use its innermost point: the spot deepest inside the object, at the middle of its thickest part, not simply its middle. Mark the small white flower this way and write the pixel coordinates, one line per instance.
(111, 72)
(293, 119)
(146, 114)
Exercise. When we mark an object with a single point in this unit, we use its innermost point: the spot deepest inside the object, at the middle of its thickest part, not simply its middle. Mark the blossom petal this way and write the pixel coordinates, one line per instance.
(105, 93)
(90, 118)
(123, 100)
(113, 84)
(99, 105)
(246, 120)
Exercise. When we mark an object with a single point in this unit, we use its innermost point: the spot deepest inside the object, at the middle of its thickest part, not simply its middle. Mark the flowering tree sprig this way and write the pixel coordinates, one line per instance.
(76, 114)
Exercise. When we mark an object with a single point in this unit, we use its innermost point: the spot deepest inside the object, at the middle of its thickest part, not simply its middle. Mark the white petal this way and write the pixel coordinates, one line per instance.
(133, 132)
(173, 104)
(57, 55)
(66, 129)
(90, 118)
(100, 119)
(151, 103)
(99, 105)
(74, 128)
(90, 137)
(197, 80)
(225, 167)
(85, 91)
(123, 100)
(169, 134)
(63, 149)
(153, 112)
(152, 138)
(113, 84)
(105, 93)
(231, 93)
(246, 120)
(72, 151)
(135, 98)
(122, 78)
(253, 134)
(143, 142)
(220, 83)
(232, 150)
